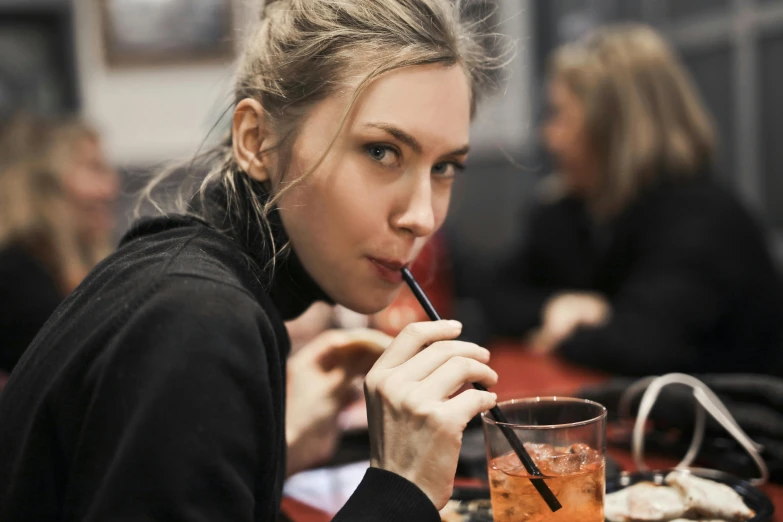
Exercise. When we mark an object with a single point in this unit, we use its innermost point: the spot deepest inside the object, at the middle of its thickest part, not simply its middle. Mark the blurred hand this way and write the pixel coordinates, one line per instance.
(415, 426)
(564, 313)
(321, 382)
(307, 326)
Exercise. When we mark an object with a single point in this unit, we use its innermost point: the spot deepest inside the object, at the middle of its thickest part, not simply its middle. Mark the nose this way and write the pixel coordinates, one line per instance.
(415, 214)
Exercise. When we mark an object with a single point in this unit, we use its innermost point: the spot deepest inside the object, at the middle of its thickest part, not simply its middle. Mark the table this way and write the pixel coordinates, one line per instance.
(521, 374)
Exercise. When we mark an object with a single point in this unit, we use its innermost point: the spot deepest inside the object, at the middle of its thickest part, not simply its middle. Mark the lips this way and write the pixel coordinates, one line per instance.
(388, 269)
(389, 263)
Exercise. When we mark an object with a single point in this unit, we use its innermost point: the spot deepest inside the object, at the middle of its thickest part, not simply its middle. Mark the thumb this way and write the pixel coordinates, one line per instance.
(323, 344)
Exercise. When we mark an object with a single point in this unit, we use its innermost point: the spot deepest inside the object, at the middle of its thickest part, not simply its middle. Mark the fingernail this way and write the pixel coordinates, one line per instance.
(455, 324)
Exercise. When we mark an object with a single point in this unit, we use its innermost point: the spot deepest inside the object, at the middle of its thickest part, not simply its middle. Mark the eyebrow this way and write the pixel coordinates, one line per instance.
(410, 141)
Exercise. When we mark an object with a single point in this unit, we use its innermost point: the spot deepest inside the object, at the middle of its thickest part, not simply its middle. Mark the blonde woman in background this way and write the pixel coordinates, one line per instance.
(637, 263)
(56, 219)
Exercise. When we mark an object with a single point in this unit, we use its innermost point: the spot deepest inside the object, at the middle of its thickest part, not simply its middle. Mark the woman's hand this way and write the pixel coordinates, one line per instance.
(564, 313)
(321, 382)
(415, 426)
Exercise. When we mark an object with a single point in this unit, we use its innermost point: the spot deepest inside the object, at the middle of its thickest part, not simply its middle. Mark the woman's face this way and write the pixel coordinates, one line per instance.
(91, 186)
(566, 138)
(383, 188)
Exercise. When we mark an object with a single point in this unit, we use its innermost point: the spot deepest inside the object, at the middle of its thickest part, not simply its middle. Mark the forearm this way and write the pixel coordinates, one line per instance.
(629, 346)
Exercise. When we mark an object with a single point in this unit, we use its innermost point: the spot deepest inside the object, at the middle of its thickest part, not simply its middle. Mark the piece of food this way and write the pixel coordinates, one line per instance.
(708, 499)
(479, 510)
(449, 513)
(357, 350)
(645, 502)
(616, 507)
(651, 502)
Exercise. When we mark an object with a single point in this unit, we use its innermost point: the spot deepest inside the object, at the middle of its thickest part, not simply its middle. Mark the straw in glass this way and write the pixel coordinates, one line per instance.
(500, 418)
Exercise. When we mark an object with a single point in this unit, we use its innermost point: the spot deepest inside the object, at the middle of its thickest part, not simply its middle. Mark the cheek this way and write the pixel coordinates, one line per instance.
(331, 210)
(73, 186)
(441, 200)
(557, 135)
(566, 141)
(580, 145)
(79, 186)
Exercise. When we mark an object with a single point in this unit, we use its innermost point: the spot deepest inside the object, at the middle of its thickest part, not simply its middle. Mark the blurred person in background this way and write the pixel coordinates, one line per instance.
(56, 221)
(635, 262)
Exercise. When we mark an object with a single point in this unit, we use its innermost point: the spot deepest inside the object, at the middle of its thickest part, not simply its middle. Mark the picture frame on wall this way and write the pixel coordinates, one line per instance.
(37, 64)
(162, 32)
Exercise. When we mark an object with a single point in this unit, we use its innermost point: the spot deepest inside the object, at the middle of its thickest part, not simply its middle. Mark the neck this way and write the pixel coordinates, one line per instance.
(266, 244)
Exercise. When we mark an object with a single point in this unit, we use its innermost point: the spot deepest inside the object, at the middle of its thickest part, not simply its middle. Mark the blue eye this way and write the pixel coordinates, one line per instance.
(383, 154)
(377, 152)
(447, 169)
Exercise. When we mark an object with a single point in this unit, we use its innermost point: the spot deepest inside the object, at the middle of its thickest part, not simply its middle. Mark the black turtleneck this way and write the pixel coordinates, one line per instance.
(156, 391)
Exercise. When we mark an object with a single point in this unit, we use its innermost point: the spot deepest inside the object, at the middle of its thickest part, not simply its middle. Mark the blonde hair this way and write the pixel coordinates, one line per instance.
(34, 212)
(302, 52)
(643, 115)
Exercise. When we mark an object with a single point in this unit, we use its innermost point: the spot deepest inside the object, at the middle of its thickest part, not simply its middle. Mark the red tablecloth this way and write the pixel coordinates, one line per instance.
(523, 374)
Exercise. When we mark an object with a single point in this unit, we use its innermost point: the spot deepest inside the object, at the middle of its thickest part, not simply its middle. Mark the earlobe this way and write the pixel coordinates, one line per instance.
(248, 139)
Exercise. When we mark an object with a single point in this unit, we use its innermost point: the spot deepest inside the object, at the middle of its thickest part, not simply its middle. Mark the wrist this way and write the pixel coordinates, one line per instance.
(292, 465)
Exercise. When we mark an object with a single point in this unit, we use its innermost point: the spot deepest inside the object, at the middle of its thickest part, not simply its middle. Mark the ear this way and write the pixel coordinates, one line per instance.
(249, 134)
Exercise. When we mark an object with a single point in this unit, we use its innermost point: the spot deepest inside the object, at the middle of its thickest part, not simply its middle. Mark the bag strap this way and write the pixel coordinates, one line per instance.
(706, 402)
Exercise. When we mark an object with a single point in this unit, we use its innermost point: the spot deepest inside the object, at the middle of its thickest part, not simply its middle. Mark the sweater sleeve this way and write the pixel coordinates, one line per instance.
(181, 422)
(674, 296)
(383, 496)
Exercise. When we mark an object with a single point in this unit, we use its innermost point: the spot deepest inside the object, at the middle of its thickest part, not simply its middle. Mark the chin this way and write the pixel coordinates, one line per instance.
(369, 303)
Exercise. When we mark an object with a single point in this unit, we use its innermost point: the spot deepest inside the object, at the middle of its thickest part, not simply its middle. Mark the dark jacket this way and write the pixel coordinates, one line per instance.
(157, 391)
(28, 296)
(692, 285)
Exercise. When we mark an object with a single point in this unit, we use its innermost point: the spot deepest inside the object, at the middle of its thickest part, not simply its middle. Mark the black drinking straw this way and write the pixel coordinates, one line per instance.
(516, 444)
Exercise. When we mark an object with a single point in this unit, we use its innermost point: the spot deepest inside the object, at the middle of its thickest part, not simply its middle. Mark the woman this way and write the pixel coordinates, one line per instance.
(56, 220)
(638, 263)
(159, 383)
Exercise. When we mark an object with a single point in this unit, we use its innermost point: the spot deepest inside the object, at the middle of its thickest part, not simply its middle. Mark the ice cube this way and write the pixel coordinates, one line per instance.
(540, 451)
(565, 464)
(508, 464)
(588, 455)
(579, 448)
(580, 492)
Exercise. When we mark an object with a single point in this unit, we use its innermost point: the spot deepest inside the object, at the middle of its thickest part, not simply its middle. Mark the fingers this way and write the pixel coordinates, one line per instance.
(427, 361)
(374, 340)
(339, 390)
(467, 405)
(354, 350)
(324, 343)
(416, 336)
(453, 374)
(346, 395)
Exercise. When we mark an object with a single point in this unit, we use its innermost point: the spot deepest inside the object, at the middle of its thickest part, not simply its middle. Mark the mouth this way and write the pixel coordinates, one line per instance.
(388, 269)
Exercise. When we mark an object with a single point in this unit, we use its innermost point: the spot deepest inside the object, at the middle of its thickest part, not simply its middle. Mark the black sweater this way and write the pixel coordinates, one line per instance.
(156, 392)
(687, 271)
(28, 296)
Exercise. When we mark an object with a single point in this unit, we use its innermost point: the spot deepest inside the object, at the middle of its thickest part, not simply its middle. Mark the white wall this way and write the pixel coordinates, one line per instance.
(503, 124)
(152, 114)
(155, 114)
